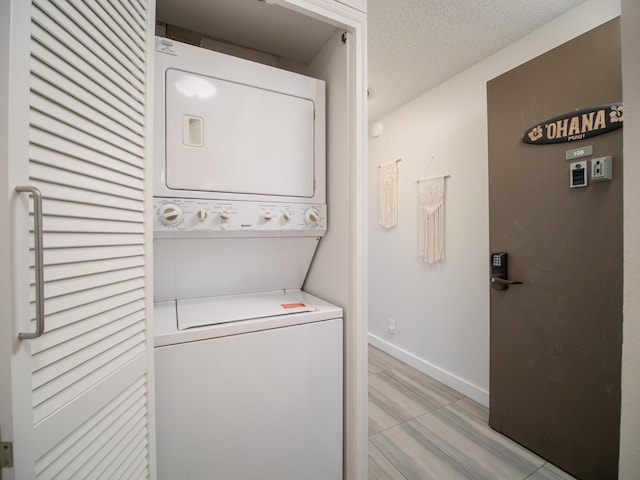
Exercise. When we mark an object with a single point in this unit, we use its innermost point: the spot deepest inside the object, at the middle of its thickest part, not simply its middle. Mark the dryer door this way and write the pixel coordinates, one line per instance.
(223, 136)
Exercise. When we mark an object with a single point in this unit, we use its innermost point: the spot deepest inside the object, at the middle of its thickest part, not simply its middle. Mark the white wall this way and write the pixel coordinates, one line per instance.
(328, 276)
(442, 311)
(630, 421)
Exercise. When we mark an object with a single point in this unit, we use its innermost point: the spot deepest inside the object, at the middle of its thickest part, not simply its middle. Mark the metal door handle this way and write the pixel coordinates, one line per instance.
(39, 261)
(504, 281)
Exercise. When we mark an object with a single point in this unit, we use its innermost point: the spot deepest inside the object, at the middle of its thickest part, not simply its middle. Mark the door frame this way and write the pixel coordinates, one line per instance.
(549, 335)
(16, 412)
(15, 393)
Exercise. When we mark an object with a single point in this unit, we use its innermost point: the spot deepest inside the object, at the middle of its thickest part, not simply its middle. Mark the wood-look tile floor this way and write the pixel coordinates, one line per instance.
(421, 429)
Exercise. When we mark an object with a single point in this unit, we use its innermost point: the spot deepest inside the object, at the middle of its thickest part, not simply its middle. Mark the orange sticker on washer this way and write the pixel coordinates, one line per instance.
(292, 305)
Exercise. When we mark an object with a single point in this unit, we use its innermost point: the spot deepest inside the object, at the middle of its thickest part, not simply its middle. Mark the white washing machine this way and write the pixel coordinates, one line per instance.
(248, 366)
(259, 398)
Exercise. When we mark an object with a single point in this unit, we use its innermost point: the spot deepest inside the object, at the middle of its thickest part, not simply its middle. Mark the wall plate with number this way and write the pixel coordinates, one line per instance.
(584, 151)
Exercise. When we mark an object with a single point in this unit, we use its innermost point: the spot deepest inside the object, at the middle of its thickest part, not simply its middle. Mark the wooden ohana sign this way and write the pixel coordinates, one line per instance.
(577, 125)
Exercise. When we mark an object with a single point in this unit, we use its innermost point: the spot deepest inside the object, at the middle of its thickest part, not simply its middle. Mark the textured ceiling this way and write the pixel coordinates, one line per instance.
(416, 44)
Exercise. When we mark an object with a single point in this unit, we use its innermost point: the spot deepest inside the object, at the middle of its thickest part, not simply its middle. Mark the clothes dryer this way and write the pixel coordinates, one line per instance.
(248, 366)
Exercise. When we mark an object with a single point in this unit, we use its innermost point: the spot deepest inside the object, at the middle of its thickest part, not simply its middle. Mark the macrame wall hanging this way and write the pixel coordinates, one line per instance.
(389, 194)
(431, 193)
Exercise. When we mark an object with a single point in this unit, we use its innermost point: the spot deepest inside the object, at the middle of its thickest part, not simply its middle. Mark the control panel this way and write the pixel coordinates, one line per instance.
(179, 217)
(601, 170)
(578, 174)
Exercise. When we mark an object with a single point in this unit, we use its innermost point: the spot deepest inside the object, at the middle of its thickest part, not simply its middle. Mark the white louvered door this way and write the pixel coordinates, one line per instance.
(85, 411)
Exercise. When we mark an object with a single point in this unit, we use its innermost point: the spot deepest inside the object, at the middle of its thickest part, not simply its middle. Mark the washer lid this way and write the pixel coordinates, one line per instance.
(199, 312)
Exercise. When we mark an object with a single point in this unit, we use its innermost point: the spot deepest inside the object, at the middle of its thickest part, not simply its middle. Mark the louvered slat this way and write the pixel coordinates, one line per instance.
(83, 323)
(63, 454)
(65, 162)
(80, 195)
(87, 113)
(123, 450)
(87, 156)
(88, 184)
(57, 224)
(56, 361)
(92, 39)
(68, 132)
(73, 270)
(140, 7)
(83, 95)
(70, 285)
(89, 254)
(59, 371)
(118, 432)
(94, 468)
(67, 240)
(116, 45)
(86, 317)
(65, 58)
(134, 10)
(132, 451)
(48, 398)
(60, 209)
(94, 131)
(67, 33)
(58, 304)
(55, 147)
(124, 36)
(130, 26)
(94, 86)
(138, 473)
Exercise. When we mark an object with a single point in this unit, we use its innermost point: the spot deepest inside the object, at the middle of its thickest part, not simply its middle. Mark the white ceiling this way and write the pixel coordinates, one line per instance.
(413, 45)
(416, 44)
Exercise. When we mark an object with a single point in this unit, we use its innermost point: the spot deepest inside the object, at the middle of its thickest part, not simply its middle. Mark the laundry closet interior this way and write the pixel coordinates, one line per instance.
(255, 167)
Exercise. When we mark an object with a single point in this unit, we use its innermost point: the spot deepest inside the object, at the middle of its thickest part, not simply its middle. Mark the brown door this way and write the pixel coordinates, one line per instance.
(556, 339)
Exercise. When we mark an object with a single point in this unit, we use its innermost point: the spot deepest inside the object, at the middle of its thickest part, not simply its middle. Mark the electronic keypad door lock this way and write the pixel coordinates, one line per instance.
(500, 272)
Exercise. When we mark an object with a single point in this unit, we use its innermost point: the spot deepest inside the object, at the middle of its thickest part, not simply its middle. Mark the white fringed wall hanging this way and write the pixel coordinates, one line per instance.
(389, 194)
(431, 191)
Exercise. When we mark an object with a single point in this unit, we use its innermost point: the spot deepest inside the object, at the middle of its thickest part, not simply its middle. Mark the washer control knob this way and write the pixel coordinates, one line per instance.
(312, 216)
(202, 214)
(287, 214)
(224, 214)
(170, 214)
(267, 215)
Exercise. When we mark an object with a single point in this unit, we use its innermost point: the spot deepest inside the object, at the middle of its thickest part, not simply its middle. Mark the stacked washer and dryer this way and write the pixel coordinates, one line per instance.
(248, 366)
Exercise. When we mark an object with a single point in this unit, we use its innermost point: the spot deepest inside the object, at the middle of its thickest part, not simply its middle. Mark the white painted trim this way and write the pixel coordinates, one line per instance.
(629, 461)
(148, 233)
(16, 414)
(459, 384)
(357, 461)
(355, 334)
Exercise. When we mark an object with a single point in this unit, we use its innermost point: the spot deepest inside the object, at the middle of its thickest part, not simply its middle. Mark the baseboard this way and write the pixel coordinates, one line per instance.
(463, 386)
